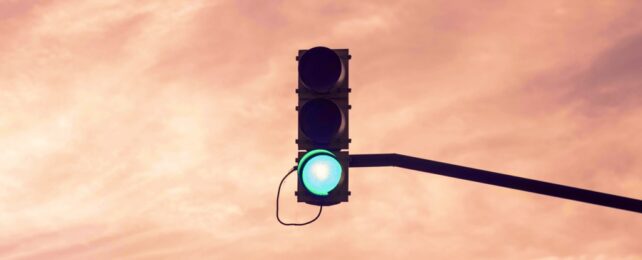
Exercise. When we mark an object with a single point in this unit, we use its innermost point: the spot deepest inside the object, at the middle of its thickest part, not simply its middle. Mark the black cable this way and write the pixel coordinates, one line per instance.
(277, 204)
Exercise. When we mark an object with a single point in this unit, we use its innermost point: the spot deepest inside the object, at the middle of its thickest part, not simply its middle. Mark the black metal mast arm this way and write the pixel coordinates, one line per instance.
(494, 178)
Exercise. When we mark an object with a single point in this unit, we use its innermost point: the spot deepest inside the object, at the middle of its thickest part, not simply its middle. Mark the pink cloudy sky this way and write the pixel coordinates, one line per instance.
(161, 129)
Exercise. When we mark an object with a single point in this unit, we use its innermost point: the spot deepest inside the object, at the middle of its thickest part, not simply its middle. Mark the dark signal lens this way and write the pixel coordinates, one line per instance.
(320, 69)
(320, 120)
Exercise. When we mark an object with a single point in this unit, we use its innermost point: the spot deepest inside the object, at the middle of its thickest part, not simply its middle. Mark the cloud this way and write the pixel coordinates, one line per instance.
(162, 129)
(611, 80)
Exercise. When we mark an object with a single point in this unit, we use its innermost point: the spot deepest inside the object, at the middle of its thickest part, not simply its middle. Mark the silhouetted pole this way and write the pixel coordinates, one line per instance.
(498, 179)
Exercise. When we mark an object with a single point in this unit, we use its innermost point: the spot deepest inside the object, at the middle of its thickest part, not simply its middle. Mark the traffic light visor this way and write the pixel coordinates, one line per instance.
(320, 171)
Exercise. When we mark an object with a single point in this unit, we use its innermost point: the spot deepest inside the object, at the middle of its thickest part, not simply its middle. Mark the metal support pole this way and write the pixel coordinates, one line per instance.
(498, 179)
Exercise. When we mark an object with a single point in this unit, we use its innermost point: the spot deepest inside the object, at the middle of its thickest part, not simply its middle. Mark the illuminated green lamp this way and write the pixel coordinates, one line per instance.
(320, 171)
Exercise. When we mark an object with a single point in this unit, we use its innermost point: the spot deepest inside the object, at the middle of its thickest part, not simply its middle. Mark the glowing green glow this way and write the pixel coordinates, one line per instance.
(320, 171)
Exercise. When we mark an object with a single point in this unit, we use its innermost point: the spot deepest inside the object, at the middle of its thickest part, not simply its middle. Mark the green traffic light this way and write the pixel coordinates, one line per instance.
(320, 171)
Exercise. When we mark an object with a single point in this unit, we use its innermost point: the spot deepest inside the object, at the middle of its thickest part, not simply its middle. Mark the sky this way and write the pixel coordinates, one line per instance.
(161, 129)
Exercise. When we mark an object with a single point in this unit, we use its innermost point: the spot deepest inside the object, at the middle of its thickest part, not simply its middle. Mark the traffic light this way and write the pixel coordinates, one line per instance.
(323, 126)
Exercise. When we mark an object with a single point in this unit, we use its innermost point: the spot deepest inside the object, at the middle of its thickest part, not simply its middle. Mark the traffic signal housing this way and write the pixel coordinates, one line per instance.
(323, 137)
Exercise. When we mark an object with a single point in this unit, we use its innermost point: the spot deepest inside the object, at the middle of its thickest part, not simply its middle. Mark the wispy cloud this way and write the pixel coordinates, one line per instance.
(161, 129)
